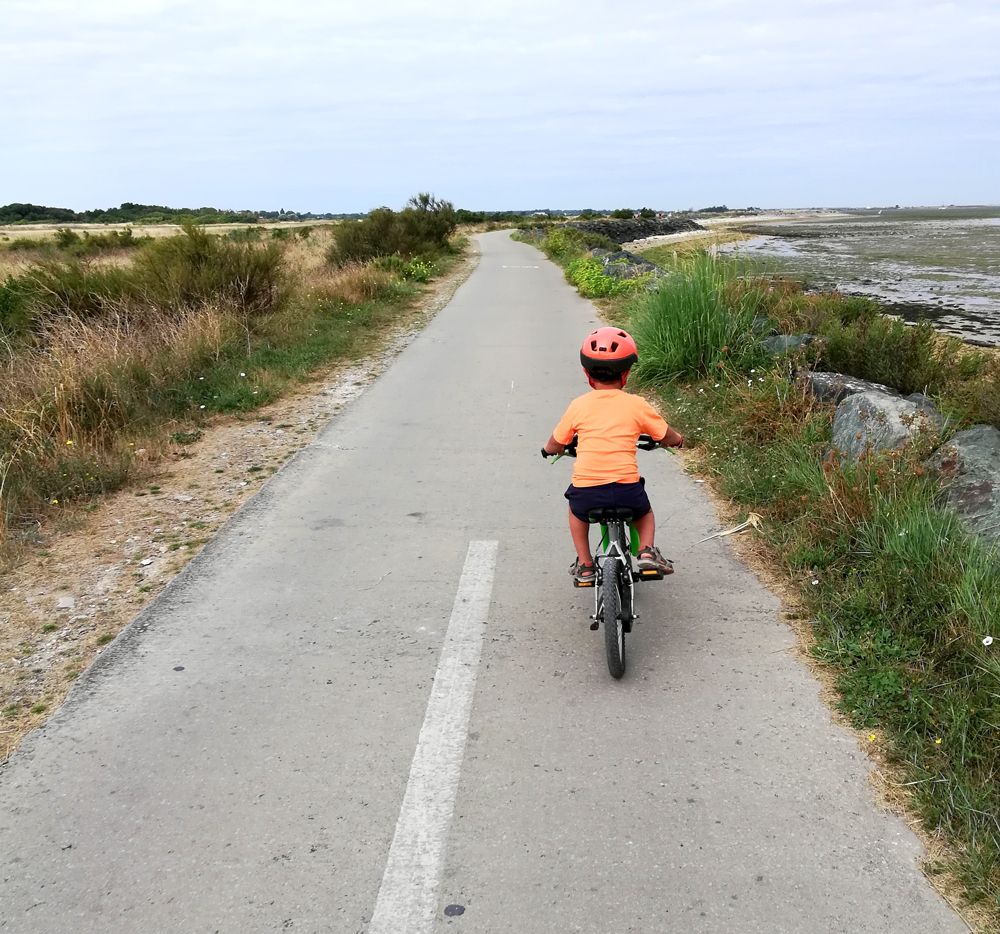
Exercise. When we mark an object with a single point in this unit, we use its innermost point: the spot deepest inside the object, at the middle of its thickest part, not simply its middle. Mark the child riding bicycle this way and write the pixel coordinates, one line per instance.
(607, 422)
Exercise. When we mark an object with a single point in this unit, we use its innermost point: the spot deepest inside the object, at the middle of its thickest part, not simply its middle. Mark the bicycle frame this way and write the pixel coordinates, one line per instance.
(615, 555)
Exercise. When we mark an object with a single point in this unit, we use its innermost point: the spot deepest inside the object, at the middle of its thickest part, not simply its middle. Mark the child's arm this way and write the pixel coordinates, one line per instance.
(552, 447)
(672, 439)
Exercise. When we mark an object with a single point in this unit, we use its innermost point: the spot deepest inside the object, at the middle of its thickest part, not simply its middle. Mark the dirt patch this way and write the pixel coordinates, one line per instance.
(93, 571)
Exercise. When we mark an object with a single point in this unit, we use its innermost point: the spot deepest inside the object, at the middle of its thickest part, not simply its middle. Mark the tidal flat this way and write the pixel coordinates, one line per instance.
(941, 264)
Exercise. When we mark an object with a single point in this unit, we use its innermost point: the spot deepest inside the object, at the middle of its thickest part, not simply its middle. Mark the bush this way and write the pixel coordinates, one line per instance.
(196, 267)
(15, 314)
(423, 227)
(588, 276)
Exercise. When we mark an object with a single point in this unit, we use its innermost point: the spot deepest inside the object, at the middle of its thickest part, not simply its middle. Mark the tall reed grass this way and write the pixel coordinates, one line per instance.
(694, 321)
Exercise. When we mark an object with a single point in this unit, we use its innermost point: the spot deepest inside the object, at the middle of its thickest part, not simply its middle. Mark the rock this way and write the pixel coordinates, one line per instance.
(876, 421)
(970, 465)
(764, 327)
(835, 387)
(627, 230)
(785, 343)
(66, 603)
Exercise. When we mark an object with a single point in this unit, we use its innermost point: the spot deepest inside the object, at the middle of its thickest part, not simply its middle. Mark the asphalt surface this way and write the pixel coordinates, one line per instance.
(239, 759)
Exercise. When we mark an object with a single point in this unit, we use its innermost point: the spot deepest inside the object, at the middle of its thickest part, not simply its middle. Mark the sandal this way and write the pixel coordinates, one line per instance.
(650, 559)
(582, 572)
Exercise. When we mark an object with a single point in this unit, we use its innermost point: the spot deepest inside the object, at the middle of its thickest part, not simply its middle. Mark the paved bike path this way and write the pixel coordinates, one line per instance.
(239, 759)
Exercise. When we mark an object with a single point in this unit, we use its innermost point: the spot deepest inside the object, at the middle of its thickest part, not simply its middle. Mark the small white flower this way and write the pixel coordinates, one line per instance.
(753, 371)
(815, 582)
(988, 641)
(201, 406)
(242, 374)
(201, 377)
(717, 385)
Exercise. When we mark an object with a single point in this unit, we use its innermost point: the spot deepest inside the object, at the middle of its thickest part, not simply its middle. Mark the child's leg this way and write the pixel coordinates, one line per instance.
(646, 529)
(580, 532)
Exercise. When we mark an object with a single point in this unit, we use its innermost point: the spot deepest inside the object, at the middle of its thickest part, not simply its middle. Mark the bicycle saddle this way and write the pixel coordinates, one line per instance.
(610, 514)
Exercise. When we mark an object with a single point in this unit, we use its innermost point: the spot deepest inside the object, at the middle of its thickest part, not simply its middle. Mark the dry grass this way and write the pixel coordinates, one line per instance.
(67, 410)
(353, 283)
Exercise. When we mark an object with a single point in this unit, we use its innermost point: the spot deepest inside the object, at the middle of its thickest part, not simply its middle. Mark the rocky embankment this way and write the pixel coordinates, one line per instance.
(871, 418)
(637, 228)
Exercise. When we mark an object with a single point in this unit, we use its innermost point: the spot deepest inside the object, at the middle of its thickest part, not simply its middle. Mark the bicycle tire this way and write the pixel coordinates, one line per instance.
(611, 619)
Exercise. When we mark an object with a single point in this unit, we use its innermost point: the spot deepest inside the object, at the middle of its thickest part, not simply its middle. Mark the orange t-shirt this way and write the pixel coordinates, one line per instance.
(608, 423)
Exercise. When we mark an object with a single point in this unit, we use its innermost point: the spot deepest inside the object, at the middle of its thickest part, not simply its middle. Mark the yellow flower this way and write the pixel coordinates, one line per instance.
(937, 742)
(871, 737)
(55, 502)
(69, 442)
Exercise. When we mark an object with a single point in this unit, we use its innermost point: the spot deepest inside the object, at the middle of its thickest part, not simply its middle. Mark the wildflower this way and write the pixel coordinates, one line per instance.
(54, 502)
(815, 581)
(988, 641)
(871, 737)
(937, 742)
(69, 442)
(201, 406)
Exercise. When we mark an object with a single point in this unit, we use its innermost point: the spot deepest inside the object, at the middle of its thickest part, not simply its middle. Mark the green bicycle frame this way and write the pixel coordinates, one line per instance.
(606, 540)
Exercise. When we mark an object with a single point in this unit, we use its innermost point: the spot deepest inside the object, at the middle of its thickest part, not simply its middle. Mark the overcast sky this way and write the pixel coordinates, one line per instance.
(331, 106)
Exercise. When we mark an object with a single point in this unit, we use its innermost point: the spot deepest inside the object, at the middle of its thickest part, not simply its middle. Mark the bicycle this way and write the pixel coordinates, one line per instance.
(615, 577)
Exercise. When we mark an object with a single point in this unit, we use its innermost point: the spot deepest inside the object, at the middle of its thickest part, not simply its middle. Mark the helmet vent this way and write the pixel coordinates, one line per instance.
(614, 346)
(593, 345)
(622, 334)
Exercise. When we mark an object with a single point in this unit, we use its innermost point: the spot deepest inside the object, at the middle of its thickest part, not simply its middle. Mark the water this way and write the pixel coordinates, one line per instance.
(941, 264)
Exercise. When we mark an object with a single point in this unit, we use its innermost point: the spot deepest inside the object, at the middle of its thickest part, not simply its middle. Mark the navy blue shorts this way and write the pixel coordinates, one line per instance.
(582, 499)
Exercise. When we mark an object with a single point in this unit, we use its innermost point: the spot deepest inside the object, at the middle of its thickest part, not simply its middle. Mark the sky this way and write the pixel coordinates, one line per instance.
(322, 105)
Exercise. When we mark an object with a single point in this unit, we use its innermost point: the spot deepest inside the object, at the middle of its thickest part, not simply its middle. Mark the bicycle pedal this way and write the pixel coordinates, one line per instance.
(650, 574)
(589, 583)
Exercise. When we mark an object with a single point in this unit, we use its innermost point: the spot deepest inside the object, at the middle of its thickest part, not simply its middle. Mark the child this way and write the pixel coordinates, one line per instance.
(608, 422)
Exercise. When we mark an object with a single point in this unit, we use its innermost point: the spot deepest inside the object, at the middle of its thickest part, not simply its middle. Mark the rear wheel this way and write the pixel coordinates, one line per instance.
(611, 619)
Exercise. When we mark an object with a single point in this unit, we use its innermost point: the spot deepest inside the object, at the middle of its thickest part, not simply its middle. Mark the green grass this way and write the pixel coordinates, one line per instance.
(693, 322)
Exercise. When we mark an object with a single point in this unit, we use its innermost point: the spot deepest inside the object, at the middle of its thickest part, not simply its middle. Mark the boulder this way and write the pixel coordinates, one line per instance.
(836, 387)
(624, 265)
(970, 466)
(872, 422)
(785, 343)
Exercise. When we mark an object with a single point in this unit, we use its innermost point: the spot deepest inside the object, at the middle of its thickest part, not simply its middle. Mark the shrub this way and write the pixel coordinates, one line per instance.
(75, 288)
(15, 314)
(588, 276)
(196, 267)
(423, 227)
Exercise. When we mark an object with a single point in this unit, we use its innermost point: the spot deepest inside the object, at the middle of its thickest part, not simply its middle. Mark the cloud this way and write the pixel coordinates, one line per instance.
(331, 104)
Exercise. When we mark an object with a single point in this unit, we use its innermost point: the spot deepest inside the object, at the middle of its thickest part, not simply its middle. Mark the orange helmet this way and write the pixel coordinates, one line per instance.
(608, 352)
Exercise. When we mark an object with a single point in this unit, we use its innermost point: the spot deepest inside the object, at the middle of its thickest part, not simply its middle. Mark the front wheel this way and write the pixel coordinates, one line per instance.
(611, 619)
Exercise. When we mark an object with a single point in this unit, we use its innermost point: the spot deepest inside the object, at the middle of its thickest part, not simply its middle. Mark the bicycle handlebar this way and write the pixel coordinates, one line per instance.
(643, 443)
